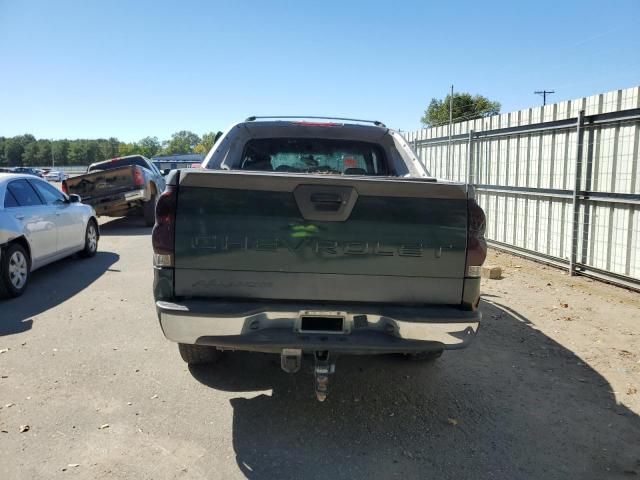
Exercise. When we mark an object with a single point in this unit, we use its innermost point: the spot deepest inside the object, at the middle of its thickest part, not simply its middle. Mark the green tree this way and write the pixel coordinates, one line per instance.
(14, 148)
(125, 149)
(77, 153)
(3, 160)
(465, 107)
(207, 142)
(111, 148)
(149, 146)
(93, 152)
(182, 142)
(43, 157)
(60, 152)
(30, 154)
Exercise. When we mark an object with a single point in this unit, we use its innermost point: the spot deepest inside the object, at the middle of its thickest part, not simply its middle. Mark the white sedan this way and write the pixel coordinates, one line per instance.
(38, 225)
(55, 176)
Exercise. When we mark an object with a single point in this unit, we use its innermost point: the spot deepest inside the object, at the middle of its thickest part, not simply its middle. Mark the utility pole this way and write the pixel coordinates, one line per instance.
(450, 125)
(544, 94)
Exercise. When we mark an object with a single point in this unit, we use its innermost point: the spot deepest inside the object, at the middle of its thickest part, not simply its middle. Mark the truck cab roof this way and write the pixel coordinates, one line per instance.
(227, 152)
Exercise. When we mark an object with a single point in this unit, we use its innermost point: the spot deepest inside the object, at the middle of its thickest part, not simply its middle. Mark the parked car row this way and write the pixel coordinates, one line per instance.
(55, 176)
(47, 174)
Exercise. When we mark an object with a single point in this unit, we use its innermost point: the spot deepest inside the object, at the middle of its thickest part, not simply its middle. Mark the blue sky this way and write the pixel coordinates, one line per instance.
(86, 69)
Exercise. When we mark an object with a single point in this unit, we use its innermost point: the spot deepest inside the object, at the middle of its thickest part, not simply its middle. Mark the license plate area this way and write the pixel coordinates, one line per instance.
(322, 322)
(129, 195)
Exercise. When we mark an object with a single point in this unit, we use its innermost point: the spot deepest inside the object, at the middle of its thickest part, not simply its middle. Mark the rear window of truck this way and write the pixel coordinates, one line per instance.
(308, 155)
(117, 163)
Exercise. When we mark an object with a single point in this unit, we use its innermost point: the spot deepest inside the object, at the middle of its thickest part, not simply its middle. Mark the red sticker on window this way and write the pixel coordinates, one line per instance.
(350, 163)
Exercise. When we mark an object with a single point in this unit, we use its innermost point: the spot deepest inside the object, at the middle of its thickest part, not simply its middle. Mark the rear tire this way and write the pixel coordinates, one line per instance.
(15, 271)
(90, 240)
(199, 354)
(149, 212)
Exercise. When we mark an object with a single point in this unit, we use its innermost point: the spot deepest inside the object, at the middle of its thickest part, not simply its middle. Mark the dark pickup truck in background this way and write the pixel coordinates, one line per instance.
(119, 187)
(321, 238)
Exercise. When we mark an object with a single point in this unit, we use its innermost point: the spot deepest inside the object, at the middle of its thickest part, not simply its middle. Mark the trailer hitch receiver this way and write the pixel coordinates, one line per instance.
(323, 368)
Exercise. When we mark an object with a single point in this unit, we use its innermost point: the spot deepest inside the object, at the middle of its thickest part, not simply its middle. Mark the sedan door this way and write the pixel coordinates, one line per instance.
(36, 218)
(68, 217)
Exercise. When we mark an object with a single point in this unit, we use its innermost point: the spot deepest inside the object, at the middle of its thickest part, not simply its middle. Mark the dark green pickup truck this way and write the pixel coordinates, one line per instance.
(316, 238)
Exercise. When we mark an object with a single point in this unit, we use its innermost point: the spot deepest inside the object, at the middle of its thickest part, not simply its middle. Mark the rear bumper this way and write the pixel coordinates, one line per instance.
(118, 202)
(272, 327)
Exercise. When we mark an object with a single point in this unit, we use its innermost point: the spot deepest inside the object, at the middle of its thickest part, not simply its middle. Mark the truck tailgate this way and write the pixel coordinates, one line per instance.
(319, 238)
(94, 185)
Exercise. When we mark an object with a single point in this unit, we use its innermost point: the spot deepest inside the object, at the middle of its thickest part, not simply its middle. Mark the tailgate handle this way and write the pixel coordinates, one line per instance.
(326, 202)
(329, 203)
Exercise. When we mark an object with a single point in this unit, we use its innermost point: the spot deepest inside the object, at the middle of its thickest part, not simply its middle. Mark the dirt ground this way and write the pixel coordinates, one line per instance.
(549, 389)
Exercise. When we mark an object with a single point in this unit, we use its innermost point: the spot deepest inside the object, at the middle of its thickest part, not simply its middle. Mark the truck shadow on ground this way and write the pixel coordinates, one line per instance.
(50, 286)
(124, 226)
(515, 404)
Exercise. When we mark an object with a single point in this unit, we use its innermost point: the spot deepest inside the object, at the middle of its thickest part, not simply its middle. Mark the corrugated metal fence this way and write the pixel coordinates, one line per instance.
(558, 183)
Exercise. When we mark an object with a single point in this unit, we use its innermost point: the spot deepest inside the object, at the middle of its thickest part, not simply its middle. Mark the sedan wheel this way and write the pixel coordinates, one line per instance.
(18, 269)
(14, 271)
(90, 240)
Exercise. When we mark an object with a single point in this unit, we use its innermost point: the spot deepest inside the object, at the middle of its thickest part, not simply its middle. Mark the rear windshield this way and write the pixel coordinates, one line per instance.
(308, 155)
(123, 162)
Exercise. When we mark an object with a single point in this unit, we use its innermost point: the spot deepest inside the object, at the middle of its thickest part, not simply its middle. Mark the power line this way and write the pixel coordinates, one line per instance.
(544, 94)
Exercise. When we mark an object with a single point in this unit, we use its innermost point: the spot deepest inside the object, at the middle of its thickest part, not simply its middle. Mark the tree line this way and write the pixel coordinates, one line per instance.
(26, 150)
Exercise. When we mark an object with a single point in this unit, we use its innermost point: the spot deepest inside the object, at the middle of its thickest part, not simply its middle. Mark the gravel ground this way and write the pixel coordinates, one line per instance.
(549, 388)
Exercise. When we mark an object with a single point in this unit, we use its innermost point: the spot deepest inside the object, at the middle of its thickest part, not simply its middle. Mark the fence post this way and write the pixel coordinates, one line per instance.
(469, 159)
(576, 190)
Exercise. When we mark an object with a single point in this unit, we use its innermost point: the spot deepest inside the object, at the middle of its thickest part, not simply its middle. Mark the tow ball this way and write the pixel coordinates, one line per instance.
(291, 360)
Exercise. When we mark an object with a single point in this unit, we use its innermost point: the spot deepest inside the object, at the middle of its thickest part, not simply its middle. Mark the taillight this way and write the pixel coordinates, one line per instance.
(138, 176)
(65, 189)
(162, 237)
(476, 243)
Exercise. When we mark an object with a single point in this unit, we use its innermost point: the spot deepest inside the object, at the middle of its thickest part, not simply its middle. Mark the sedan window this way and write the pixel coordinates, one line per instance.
(51, 195)
(23, 193)
(10, 200)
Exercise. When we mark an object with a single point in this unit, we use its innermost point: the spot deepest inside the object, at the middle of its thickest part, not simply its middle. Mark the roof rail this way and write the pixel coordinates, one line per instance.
(375, 122)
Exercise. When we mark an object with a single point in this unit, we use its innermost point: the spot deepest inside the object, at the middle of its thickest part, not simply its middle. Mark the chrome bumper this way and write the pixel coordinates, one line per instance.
(118, 200)
(271, 327)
